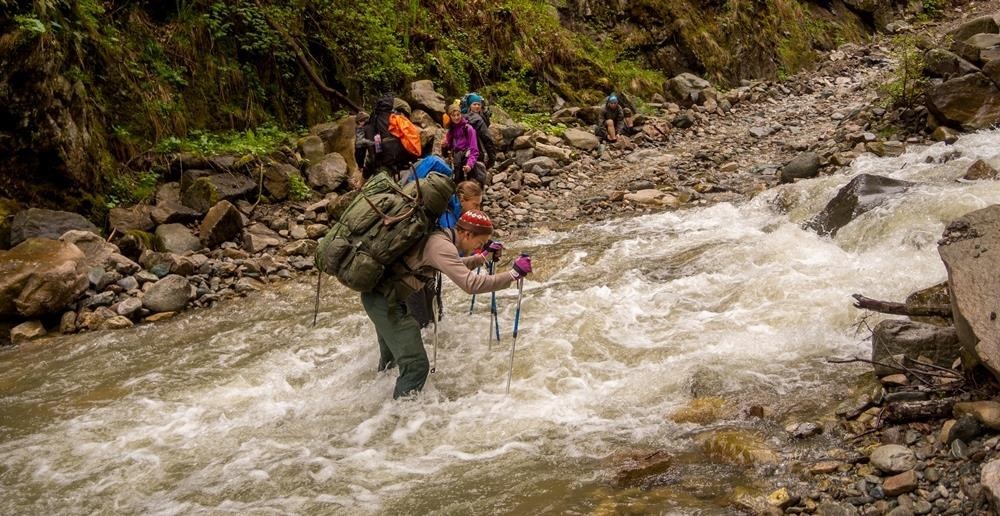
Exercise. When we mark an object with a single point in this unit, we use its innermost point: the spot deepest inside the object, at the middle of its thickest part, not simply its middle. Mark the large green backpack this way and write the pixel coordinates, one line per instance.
(379, 225)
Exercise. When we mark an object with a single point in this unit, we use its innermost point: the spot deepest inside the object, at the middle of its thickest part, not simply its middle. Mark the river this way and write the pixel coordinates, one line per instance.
(248, 408)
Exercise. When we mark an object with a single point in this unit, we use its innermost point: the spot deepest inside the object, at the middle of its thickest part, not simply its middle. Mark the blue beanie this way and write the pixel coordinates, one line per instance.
(473, 98)
(612, 98)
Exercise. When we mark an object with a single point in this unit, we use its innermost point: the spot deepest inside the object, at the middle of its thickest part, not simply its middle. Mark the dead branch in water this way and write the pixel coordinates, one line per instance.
(892, 308)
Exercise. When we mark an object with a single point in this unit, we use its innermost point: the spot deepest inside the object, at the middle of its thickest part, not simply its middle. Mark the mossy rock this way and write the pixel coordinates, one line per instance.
(702, 411)
(737, 446)
(201, 195)
(134, 242)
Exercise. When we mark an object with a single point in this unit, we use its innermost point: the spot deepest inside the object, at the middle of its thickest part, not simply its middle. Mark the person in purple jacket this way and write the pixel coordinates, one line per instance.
(460, 142)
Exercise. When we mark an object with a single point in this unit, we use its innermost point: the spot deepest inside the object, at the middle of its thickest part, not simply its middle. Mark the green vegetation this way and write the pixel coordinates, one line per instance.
(907, 84)
(216, 76)
(298, 190)
(541, 122)
(131, 187)
(255, 142)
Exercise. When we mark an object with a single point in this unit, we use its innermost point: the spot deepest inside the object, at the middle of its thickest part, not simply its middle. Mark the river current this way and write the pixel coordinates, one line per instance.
(248, 408)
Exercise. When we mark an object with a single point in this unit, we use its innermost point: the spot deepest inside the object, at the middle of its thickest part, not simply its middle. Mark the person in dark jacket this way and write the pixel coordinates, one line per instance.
(480, 121)
(614, 122)
(360, 143)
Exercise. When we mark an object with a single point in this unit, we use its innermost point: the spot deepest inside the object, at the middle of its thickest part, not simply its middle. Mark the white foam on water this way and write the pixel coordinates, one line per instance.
(248, 408)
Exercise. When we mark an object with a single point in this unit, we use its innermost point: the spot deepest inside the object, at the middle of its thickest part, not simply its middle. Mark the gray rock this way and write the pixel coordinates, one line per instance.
(759, 132)
(982, 25)
(97, 251)
(258, 237)
(804, 165)
(67, 323)
(168, 192)
(129, 306)
(886, 148)
(128, 283)
(41, 223)
(580, 139)
(26, 331)
(303, 247)
(556, 153)
(979, 48)
(277, 180)
(338, 136)
(860, 195)
(685, 89)
(312, 148)
(990, 480)
(980, 170)
(544, 162)
(831, 508)
(893, 458)
(169, 294)
(971, 101)
(101, 278)
(222, 223)
(327, 173)
(102, 299)
(117, 322)
(40, 276)
(177, 238)
(421, 95)
(125, 219)
(939, 62)
(970, 249)
(171, 212)
(893, 337)
(200, 195)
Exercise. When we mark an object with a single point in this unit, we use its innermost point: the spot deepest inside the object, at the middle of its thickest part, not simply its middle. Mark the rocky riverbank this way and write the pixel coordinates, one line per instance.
(918, 440)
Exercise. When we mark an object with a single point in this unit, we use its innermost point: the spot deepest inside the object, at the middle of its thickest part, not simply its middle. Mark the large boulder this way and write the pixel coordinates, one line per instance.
(421, 95)
(970, 249)
(177, 238)
(169, 294)
(258, 237)
(913, 339)
(971, 102)
(170, 212)
(327, 173)
(278, 180)
(860, 195)
(939, 62)
(978, 49)
(802, 166)
(339, 137)
(40, 276)
(222, 223)
(311, 148)
(580, 139)
(981, 25)
(41, 223)
(135, 217)
(992, 71)
(686, 89)
(201, 191)
(97, 251)
(989, 477)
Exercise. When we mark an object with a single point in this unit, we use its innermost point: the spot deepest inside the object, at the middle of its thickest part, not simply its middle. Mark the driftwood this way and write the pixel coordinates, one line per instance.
(889, 307)
(918, 410)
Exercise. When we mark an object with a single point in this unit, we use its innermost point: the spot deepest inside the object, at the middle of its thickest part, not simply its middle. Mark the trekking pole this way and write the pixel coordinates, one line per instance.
(434, 316)
(473, 303)
(319, 281)
(517, 319)
(494, 319)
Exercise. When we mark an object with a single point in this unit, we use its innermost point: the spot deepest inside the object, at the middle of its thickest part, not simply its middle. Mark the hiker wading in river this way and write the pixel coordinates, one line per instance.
(399, 340)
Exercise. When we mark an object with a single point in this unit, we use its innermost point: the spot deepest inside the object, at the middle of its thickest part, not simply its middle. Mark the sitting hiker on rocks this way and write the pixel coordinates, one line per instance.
(462, 145)
(614, 121)
(399, 340)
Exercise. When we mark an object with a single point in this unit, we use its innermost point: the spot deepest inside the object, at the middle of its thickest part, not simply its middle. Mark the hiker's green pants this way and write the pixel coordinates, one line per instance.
(398, 341)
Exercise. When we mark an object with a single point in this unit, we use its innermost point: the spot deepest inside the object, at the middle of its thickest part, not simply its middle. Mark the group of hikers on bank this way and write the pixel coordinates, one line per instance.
(419, 216)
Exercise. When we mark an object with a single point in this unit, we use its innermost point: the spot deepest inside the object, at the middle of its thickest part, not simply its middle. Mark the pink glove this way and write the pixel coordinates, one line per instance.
(493, 247)
(522, 267)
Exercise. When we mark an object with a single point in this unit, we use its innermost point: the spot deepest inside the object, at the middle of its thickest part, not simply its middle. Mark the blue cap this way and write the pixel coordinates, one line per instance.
(612, 98)
(474, 98)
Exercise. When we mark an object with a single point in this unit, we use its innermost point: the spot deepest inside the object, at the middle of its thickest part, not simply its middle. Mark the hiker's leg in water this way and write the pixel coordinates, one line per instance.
(401, 334)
